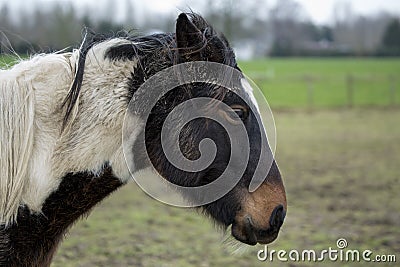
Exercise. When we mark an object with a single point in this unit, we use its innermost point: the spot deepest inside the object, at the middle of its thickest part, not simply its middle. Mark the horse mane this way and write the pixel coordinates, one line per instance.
(16, 135)
(73, 94)
(141, 45)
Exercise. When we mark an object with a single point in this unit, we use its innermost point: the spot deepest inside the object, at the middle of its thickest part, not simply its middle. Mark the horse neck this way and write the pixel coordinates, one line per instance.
(93, 136)
(66, 177)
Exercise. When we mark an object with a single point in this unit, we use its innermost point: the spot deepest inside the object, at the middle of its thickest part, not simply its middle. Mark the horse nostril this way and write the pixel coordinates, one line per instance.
(277, 217)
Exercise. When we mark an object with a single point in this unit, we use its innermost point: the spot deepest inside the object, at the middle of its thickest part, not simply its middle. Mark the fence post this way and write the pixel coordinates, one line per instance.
(392, 92)
(310, 91)
(350, 90)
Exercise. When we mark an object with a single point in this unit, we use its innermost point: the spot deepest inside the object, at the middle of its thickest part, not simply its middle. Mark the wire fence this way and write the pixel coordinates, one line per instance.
(318, 91)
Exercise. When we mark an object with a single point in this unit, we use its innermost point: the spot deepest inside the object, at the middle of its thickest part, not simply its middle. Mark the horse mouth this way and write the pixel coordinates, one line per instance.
(252, 237)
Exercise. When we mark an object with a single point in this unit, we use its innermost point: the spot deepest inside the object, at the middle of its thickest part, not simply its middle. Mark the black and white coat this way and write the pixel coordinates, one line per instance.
(61, 118)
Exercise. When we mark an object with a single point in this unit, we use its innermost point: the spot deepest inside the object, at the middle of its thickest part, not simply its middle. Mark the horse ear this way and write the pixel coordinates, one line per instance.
(189, 38)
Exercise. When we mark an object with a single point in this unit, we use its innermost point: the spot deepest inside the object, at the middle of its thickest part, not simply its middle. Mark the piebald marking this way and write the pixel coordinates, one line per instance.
(35, 154)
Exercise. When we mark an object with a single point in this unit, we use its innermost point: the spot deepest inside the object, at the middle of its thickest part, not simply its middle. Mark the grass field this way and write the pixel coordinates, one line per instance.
(7, 60)
(340, 167)
(287, 82)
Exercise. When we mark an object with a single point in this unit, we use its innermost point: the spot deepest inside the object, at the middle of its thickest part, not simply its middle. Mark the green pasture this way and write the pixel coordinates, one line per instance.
(7, 61)
(325, 82)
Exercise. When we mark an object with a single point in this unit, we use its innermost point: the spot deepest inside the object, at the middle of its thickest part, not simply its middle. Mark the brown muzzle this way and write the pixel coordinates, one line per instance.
(262, 212)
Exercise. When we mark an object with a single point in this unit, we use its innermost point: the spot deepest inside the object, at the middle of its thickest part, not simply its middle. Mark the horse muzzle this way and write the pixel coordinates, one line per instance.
(249, 233)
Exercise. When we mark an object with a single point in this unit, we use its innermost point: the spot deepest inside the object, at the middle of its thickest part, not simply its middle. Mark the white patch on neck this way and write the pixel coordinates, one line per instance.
(249, 90)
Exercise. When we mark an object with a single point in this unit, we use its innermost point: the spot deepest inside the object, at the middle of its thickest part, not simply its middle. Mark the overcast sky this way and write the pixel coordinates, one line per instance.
(321, 11)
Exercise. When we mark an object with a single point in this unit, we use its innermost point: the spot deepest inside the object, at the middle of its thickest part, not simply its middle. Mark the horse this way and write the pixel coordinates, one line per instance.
(62, 147)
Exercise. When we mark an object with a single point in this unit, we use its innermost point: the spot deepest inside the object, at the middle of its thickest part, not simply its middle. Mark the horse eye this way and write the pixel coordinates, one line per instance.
(241, 113)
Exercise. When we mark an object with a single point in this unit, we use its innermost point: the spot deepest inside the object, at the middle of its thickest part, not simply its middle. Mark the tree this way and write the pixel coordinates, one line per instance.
(129, 13)
(391, 37)
(4, 16)
(4, 25)
(289, 30)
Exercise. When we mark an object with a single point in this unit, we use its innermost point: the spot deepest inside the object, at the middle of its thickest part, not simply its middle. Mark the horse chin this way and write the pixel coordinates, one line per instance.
(268, 240)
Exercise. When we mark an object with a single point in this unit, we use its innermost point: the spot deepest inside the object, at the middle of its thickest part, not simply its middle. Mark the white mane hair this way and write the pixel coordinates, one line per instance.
(35, 153)
(16, 133)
